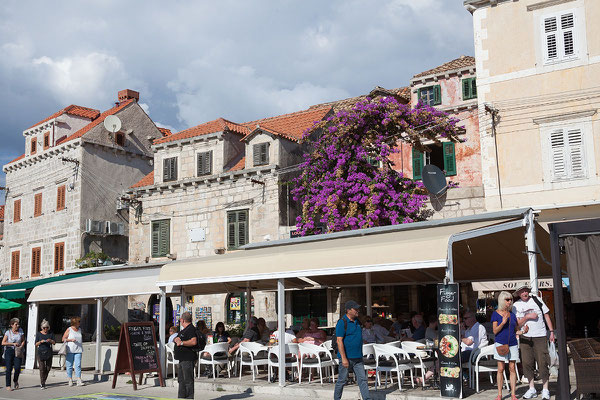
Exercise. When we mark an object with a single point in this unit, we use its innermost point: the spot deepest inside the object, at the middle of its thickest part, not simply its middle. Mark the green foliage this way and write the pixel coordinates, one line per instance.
(236, 330)
(91, 259)
(112, 332)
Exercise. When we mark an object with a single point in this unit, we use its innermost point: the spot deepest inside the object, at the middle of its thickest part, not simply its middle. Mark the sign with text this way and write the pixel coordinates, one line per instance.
(137, 352)
(449, 340)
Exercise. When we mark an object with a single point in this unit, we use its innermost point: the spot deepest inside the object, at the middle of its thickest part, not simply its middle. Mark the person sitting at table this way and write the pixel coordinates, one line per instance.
(475, 336)
(289, 335)
(220, 335)
(250, 335)
(370, 335)
(314, 335)
(431, 333)
(417, 327)
(172, 334)
(263, 330)
(305, 327)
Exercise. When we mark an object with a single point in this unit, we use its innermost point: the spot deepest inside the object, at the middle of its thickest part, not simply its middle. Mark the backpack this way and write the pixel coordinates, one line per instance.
(200, 342)
(334, 343)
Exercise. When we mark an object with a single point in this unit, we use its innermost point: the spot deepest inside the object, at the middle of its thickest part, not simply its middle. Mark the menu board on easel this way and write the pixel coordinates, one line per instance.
(449, 340)
(137, 352)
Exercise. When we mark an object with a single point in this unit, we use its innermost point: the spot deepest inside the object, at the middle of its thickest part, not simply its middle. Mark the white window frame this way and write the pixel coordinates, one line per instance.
(578, 33)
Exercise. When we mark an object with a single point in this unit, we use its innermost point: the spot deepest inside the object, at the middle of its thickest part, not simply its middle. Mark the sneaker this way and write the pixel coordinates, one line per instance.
(43, 387)
(530, 394)
(545, 394)
(70, 382)
(80, 382)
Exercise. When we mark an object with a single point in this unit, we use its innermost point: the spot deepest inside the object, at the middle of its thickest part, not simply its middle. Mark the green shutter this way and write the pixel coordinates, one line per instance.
(466, 89)
(474, 88)
(161, 238)
(170, 169)
(205, 163)
(419, 99)
(155, 239)
(449, 159)
(237, 229)
(437, 95)
(417, 163)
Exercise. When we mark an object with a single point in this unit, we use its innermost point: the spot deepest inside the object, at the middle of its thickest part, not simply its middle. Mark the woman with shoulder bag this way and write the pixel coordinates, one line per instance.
(504, 323)
(72, 337)
(14, 352)
(44, 343)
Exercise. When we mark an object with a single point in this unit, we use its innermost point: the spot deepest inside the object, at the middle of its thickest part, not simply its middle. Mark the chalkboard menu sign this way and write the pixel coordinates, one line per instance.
(137, 352)
(449, 340)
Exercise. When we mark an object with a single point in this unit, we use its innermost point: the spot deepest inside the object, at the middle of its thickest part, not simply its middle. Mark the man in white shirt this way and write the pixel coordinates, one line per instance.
(474, 338)
(533, 313)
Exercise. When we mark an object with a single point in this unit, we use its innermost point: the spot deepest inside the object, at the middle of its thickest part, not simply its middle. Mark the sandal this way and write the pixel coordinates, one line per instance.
(499, 397)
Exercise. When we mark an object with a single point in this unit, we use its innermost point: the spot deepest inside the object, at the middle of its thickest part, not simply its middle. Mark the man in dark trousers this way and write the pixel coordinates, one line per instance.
(349, 341)
(185, 342)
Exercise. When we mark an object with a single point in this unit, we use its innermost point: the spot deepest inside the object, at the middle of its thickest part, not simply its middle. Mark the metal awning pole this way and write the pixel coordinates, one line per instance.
(532, 252)
(248, 303)
(369, 293)
(162, 325)
(281, 328)
(32, 324)
(99, 329)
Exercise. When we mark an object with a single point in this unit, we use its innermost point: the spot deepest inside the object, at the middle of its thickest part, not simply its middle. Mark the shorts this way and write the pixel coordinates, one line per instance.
(513, 353)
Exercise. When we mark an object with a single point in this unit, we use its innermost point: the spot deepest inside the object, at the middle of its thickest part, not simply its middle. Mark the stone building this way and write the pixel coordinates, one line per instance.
(62, 194)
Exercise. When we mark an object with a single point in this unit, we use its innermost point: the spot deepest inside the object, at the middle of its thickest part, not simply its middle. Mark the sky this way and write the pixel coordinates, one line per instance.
(195, 61)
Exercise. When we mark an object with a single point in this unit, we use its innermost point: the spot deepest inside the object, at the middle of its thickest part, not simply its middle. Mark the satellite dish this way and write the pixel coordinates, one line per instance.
(434, 180)
(112, 123)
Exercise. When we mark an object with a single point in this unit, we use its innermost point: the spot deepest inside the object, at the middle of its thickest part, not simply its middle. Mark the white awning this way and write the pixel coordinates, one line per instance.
(85, 289)
(511, 285)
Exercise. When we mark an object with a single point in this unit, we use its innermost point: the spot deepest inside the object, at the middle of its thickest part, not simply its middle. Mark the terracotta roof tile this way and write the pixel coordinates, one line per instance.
(165, 132)
(217, 125)
(1, 213)
(461, 62)
(239, 165)
(403, 93)
(73, 109)
(291, 126)
(96, 122)
(17, 159)
(145, 181)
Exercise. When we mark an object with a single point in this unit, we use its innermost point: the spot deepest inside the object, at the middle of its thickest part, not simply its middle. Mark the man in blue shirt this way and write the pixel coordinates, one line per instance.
(349, 340)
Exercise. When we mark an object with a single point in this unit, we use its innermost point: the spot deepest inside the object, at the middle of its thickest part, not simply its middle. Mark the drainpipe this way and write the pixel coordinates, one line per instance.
(494, 112)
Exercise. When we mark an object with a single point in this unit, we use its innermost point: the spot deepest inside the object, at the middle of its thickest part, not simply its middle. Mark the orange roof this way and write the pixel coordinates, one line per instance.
(239, 165)
(459, 63)
(165, 131)
(291, 126)
(73, 109)
(17, 159)
(217, 125)
(145, 181)
(1, 213)
(403, 92)
(97, 121)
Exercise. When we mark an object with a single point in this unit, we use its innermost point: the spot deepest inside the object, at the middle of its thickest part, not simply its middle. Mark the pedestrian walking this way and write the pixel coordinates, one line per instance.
(185, 353)
(533, 313)
(72, 337)
(14, 352)
(44, 343)
(348, 334)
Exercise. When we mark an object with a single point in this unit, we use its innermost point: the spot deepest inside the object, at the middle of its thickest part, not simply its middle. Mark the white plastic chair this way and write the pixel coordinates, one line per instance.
(420, 359)
(328, 345)
(484, 362)
(249, 355)
(395, 359)
(291, 358)
(369, 359)
(213, 349)
(313, 356)
(170, 347)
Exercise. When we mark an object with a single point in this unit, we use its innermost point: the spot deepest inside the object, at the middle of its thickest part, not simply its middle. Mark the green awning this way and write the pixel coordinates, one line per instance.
(17, 290)
(7, 305)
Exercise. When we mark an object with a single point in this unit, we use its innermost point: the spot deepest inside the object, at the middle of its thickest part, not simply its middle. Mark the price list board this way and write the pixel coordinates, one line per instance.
(449, 340)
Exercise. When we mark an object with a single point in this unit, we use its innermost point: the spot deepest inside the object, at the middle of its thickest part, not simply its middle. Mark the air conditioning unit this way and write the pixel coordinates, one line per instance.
(114, 228)
(92, 226)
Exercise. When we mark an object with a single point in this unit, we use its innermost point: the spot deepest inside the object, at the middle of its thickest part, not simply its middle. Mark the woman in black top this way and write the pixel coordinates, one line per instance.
(221, 335)
(44, 343)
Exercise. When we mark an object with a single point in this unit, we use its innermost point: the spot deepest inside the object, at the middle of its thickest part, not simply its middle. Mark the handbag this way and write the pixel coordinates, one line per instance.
(19, 351)
(63, 349)
(503, 349)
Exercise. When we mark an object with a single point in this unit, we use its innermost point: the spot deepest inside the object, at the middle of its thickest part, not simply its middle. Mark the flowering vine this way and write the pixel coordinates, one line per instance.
(347, 179)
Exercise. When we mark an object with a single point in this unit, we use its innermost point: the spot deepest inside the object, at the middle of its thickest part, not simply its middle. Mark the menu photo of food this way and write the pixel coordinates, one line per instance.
(450, 372)
(448, 319)
(449, 346)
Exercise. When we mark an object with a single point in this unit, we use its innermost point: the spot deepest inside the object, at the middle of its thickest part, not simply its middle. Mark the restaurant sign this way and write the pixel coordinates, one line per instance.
(449, 340)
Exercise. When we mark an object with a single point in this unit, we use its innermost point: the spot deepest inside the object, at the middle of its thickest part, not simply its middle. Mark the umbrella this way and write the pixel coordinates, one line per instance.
(7, 305)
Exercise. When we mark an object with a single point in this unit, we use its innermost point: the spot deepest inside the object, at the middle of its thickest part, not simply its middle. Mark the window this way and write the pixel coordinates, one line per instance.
(260, 153)
(431, 95)
(61, 192)
(37, 205)
(59, 257)
(46, 140)
(567, 154)
(205, 163)
(33, 145)
(237, 229)
(17, 210)
(469, 88)
(170, 169)
(120, 139)
(443, 157)
(558, 35)
(160, 238)
(36, 261)
(15, 260)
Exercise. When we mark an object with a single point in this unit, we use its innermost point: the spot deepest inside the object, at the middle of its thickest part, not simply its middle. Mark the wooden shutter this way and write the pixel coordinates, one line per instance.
(576, 153)
(557, 151)
(469, 88)
(260, 154)
(17, 210)
(161, 245)
(237, 228)
(417, 164)
(33, 145)
(231, 230)
(155, 239)
(449, 158)
(36, 253)
(61, 193)
(37, 205)
(170, 169)
(550, 34)
(567, 24)
(205, 163)
(242, 228)
(437, 95)
(14, 264)
(59, 257)
(46, 140)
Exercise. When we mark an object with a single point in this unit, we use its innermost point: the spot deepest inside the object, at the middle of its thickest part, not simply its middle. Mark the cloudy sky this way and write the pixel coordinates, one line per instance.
(194, 61)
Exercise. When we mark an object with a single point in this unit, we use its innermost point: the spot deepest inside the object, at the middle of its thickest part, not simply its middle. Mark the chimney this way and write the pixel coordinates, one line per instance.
(127, 94)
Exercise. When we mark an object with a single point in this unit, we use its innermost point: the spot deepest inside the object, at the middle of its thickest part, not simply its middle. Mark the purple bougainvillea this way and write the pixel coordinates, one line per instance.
(348, 181)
